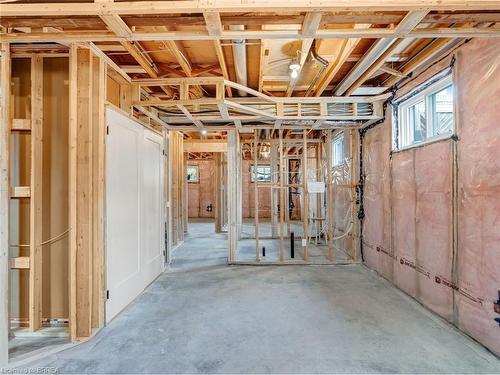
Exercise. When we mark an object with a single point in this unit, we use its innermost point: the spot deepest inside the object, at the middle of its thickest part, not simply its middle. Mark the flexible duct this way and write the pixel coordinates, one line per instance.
(240, 59)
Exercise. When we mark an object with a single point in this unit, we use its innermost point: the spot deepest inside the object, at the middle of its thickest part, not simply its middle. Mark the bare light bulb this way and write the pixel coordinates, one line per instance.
(204, 132)
(294, 73)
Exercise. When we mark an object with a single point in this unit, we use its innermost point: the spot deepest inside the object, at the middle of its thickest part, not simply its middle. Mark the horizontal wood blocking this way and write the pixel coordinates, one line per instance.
(205, 146)
(19, 263)
(20, 124)
(20, 192)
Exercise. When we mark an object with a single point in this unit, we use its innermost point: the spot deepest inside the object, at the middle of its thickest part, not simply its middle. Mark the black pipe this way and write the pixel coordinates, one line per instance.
(292, 245)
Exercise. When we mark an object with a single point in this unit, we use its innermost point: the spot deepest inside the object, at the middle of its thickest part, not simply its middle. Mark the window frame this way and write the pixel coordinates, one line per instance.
(197, 167)
(252, 174)
(340, 137)
(401, 114)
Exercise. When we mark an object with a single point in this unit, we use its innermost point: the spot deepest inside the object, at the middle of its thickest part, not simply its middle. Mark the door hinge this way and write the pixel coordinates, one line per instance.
(107, 294)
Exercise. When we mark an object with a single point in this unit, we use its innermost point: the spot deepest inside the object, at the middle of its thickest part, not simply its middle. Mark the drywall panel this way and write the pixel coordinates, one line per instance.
(478, 103)
(134, 220)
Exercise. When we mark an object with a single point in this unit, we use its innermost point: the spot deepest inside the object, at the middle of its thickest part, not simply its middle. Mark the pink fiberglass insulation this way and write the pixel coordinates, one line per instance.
(404, 199)
(433, 225)
(408, 230)
(478, 105)
(376, 226)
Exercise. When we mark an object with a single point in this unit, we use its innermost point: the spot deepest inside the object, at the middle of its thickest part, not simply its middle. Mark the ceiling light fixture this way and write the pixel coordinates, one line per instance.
(294, 69)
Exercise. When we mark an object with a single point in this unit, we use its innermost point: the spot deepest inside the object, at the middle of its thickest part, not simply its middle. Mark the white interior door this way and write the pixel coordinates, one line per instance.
(134, 204)
(152, 207)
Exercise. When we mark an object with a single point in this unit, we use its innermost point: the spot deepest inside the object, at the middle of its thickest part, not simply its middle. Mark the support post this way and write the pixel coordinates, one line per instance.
(80, 192)
(282, 197)
(232, 154)
(98, 188)
(35, 272)
(331, 197)
(356, 246)
(5, 65)
(305, 208)
(274, 190)
(218, 193)
(256, 192)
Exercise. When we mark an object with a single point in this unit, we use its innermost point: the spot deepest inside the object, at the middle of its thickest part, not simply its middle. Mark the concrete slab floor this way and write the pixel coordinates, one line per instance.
(205, 317)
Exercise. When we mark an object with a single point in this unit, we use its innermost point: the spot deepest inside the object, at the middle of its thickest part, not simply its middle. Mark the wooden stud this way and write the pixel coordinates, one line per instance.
(232, 155)
(98, 189)
(331, 196)
(282, 196)
(5, 74)
(256, 192)
(80, 191)
(305, 207)
(36, 220)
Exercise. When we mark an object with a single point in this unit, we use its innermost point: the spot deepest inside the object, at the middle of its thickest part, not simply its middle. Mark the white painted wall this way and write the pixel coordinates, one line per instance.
(134, 210)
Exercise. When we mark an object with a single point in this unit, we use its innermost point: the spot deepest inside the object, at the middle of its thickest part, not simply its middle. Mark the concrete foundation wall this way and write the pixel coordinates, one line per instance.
(432, 223)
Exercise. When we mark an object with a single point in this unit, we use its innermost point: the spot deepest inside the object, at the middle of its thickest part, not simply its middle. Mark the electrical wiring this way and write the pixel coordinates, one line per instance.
(46, 242)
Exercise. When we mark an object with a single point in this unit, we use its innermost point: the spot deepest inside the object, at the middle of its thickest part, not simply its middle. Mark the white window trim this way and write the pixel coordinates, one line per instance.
(338, 136)
(404, 104)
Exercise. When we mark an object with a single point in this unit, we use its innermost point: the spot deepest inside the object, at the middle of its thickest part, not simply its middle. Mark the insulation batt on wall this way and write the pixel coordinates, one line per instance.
(412, 210)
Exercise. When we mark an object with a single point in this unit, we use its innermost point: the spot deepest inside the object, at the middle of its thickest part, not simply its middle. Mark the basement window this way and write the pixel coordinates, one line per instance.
(338, 154)
(263, 173)
(426, 114)
(192, 174)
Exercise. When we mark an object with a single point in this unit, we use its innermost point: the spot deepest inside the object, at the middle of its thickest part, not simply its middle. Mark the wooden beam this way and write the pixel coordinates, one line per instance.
(348, 45)
(138, 56)
(115, 23)
(205, 145)
(310, 26)
(36, 220)
(215, 28)
(136, 51)
(419, 60)
(376, 65)
(391, 71)
(213, 23)
(224, 6)
(171, 37)
(5, 79)
(411, 20)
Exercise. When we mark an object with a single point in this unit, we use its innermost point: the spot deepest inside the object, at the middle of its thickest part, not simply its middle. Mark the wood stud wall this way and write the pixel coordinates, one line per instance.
(5, 65)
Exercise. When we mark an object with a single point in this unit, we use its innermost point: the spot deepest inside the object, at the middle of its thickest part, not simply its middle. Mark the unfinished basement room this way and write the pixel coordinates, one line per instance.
(250, 187)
